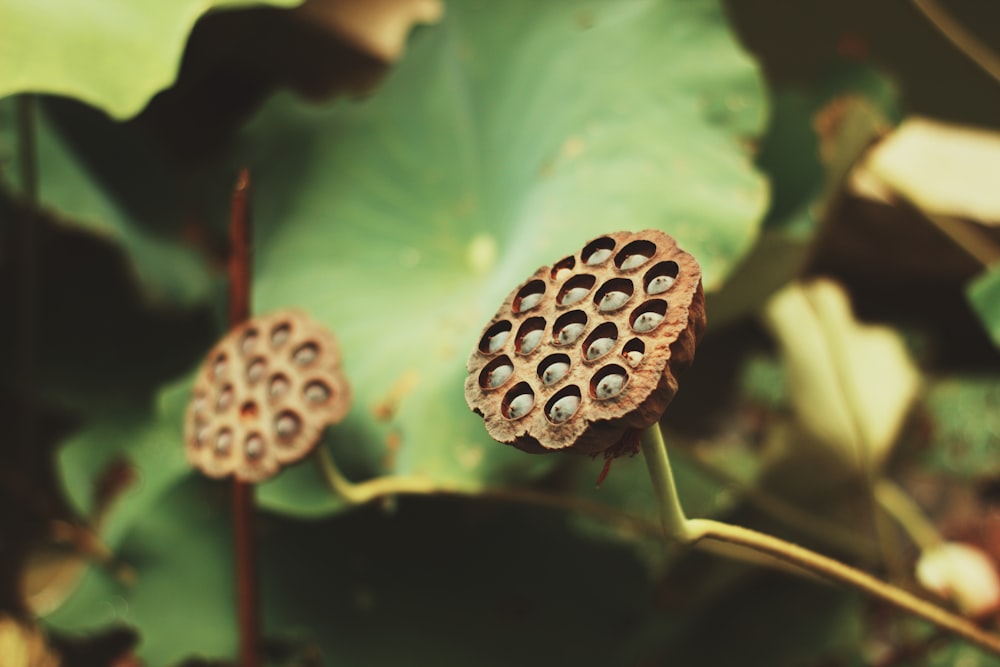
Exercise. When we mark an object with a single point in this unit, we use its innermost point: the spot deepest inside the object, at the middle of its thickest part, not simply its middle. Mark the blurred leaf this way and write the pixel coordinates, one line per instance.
(22, 645)
(965, 438)
(984, 295)
(403, 222)
(944, 169)
(379, 27)
(108, 53)
(851, 384)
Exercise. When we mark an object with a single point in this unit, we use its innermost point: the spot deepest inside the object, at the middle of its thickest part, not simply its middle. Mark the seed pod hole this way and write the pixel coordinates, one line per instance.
(563, 405)
(200, 402)
(600, 341)
(225, 398)
(278, 387)
(648, 316)
(597, 251)
(280, 334)
(660, 278)
(608, 382)
(633, 352)
(496, 373)
(553, 368)
(613, 294)
(253, 446)
(223, 441)
(529, 296)
(220, 366)
(562, 269)
(495, 337)
(518, 401)
(635, 254)
(305, 354)
(569, 327)
(256, 370)
(202, 435)
(248, 411)
(287, 425)
(529, 335)
(317, 392)
(249, 341)
(576, 289)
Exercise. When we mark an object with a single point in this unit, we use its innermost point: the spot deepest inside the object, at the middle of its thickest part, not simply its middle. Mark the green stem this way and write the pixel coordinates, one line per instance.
(654, 450)
(692, 531)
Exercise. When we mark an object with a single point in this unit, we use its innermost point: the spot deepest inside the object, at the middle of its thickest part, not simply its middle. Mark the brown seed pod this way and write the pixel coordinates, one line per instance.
(585, 353)
(264, 396)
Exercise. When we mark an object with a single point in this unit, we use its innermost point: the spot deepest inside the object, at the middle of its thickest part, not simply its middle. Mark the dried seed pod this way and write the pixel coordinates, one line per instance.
(264, 396)
(597, 357)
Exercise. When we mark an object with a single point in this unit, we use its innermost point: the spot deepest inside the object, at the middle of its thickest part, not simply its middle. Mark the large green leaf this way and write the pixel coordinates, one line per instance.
(112, 54)
(402, 222)
(965, 438)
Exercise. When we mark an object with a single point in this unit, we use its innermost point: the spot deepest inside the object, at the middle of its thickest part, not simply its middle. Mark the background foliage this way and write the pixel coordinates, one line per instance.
(400, 193)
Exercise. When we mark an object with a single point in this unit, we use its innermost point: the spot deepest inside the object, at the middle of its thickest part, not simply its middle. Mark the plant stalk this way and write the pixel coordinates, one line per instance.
(27, 150)
(248, 612)
(692, 531)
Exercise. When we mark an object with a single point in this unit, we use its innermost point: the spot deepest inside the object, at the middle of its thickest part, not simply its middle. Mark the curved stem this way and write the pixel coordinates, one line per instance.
(907, 514)
(828, 568)
(961, 38)
(654, 450)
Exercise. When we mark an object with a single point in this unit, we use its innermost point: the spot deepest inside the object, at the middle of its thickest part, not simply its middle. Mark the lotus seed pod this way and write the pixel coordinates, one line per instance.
(264, 396)
(612, 325)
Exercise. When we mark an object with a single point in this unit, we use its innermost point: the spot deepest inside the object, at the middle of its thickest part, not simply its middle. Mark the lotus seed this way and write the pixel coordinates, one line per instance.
(610, 386)
(660, 284)
(529, 301)
(564, 408)
(279, 385)
(305, 354)
(254, 446)
(647, 322)
(555, 372)
(569, 333)
(599, 348)
(599, 256)
(249, 341)
(613, 300)
(633, 357)
(530, 341)
(280, 335)
(520, 406)
(256, 370)
(223, 442)
(499, 375)
(317, 392)
(287, 425)
(202, 435)
(225, 399)
(633, 261)
(574, 294)
(497, 340)
(561, 273)
(219, 370)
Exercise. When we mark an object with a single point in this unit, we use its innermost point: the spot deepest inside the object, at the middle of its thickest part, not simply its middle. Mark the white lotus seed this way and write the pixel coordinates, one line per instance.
(220, 367)
(529, 301)
(647, 322)
(249, 341)
(286, 425)
(574, 294)
(530, 341)
(633, 357)
(660, 284)
(254, 446)
(599, 256)
(225, 399)
(569, 333)
(279, 385)
(520, 406)
(633, 261)
(256, 370)
(555, 372)
(561, 273)
(564, 408)
(613, 300)
(499, 375)
(317, 392)
(599, 348)
(496, 341)
(280, 335)
(223, 442)
(610, 386)
(202, 436)
(305, 354)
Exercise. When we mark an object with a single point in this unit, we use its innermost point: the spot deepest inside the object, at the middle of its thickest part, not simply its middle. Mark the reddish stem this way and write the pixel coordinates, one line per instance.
(243, 493)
